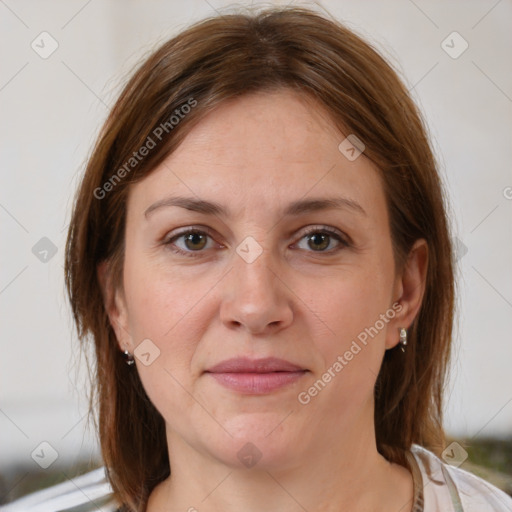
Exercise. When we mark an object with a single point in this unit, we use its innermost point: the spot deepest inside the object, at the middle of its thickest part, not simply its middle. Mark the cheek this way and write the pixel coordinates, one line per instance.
(159, 298)
(168, 311)
(348, 303)
(351, 315)
(173, 311)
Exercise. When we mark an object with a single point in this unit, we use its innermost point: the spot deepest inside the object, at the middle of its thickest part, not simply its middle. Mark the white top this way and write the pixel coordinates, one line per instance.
(447, 488)
(438, 487)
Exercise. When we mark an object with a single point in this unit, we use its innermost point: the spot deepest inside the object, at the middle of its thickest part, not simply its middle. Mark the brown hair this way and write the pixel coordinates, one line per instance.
(211, 62)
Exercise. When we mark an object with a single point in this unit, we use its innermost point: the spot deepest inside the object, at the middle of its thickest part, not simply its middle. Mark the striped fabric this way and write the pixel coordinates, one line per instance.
(438, 487)
(81, 494)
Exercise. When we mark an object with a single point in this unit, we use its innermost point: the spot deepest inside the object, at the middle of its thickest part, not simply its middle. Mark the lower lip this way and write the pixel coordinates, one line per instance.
(257, 383)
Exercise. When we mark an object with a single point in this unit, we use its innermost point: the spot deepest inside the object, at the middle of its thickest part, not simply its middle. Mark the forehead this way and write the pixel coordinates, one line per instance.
(261, 151)
(266, 124)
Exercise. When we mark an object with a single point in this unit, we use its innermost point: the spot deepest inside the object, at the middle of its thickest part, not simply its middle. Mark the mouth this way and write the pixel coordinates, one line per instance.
(256, 376)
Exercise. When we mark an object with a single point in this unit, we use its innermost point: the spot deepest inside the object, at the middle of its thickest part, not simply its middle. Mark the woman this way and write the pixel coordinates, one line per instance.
(260, 251)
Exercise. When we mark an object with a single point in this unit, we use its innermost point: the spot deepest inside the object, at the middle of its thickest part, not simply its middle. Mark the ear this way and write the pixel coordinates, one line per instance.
(115, 307)
(408, 291)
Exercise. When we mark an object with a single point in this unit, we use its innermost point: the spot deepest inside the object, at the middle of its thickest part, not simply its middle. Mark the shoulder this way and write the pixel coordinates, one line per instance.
(447, 486)
(84, 493)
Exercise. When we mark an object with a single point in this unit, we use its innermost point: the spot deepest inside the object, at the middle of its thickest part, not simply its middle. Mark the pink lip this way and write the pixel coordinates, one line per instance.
(256, 376)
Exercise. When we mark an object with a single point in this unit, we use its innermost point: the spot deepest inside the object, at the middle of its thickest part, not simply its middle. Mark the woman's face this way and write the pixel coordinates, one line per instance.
(273, 271)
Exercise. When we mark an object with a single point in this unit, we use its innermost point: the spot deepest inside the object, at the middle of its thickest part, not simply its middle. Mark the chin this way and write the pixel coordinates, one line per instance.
(259, 441)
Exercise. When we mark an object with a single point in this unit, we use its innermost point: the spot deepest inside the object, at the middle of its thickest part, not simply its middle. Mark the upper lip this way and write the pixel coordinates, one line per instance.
(247, 365)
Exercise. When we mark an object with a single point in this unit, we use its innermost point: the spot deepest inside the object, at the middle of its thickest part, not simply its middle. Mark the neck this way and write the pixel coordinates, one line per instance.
(342, 472)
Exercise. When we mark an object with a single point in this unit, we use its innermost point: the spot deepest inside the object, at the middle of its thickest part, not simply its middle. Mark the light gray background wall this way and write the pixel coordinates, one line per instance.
(51, 111)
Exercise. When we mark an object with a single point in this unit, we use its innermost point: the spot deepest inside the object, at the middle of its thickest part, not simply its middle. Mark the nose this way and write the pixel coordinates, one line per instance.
(255, 297)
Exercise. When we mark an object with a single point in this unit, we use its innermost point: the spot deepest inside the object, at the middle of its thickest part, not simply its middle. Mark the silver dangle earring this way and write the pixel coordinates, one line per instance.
(403, 338)
(128, 358)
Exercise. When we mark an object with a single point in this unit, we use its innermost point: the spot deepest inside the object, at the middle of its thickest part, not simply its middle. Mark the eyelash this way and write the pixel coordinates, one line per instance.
(313, 230)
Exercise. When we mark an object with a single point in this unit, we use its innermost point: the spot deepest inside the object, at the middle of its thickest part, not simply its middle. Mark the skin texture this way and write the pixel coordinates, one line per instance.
(254, 155)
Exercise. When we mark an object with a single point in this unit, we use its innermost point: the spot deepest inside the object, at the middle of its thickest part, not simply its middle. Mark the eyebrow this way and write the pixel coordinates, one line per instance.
(298, 207)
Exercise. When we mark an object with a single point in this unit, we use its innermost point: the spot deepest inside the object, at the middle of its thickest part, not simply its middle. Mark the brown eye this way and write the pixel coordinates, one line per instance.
(195, 241)
(190, 243)
(318, 241)
(323, 240)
